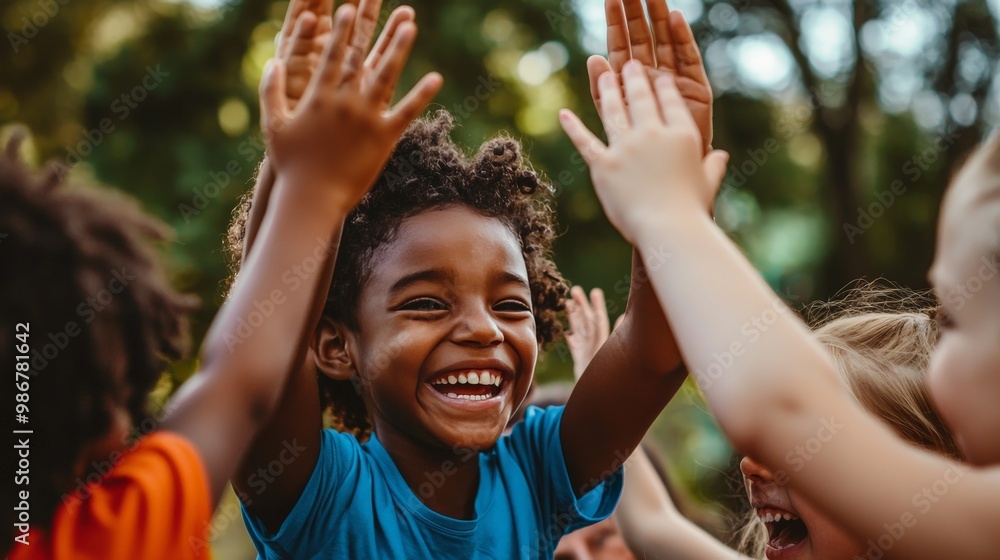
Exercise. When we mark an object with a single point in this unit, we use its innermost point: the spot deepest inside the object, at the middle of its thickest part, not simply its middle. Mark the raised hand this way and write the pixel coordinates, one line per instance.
(589, 326)
(301, 43)
(665, 46)
(307, 28)
(339, 133)
(653, 167)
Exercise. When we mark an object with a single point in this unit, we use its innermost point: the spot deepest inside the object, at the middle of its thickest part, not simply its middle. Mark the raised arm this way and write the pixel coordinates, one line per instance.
(297, 421)
(651, 524)
(259, 333)
(779, 398)
(648, 519)
(247, 358)
(640, 363)
(303, 34)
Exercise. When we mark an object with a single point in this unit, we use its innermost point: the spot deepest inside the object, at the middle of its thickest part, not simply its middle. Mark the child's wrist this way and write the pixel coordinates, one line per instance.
(318, 193)
(669, 227)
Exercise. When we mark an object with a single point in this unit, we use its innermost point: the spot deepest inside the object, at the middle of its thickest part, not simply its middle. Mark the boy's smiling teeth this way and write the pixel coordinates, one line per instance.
(470, 378)
(469, 385)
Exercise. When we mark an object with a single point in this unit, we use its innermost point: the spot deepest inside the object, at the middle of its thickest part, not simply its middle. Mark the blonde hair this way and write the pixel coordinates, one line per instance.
(882, 352)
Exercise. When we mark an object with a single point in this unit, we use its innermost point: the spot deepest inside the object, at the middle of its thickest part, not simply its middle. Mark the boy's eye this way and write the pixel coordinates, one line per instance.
(423, 304)
(512, 305)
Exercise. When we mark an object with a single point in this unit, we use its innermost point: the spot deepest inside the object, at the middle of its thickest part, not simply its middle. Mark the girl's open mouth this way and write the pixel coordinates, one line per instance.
(470, 385)
(785, 532)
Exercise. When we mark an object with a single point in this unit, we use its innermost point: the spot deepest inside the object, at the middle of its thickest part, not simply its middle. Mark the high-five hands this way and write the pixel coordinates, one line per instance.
(340, 132)
(664, 46)
(652, 170)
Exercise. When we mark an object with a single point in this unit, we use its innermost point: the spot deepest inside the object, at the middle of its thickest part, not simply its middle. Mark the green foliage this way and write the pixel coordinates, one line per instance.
(159, 99)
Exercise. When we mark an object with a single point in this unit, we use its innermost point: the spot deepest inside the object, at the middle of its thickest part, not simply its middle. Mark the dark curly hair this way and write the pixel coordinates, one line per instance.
(102, 320)
(427, 171)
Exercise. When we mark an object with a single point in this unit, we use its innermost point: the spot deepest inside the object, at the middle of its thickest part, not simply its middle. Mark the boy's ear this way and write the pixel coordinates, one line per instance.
(329, 344)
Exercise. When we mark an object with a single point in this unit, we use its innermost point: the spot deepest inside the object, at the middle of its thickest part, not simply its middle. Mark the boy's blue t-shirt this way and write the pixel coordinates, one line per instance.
(357, 505)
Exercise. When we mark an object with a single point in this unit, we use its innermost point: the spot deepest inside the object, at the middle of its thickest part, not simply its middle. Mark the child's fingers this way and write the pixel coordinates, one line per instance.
(295, 10)
(398, 16)
(641, 101)
(640, 40)
(597, 65)
(273, 105)
(714, 165)
(675, 112)
(689, 63)
(582, 138)
(300, 42)
(618, 47)
(414, 101)
(614, 116)
(364, 29)
(659, 16)
(600, 308)
(386, 75)
(586, 313)
(329, 72)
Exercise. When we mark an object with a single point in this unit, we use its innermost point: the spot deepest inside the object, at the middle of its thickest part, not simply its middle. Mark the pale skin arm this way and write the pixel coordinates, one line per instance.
(641, 352)
(651, 524)
(649, 520)
(782, 391)
(297, 421)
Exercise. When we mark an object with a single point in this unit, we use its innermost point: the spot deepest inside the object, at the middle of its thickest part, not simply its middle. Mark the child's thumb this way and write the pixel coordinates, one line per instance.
(714, 165)
(273, 106)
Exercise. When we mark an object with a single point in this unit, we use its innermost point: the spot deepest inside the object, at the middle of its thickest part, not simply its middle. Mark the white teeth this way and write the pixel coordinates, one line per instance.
(496, 380)
(462, 379)
(485, 378)
(473, 378)
(452, 379)
(468, 397)
(768, 518)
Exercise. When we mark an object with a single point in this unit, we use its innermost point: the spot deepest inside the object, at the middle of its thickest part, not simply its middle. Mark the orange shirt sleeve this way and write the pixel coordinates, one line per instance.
(154, 504)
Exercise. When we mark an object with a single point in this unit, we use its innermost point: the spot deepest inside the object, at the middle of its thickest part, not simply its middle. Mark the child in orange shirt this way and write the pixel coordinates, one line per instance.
(88, 350)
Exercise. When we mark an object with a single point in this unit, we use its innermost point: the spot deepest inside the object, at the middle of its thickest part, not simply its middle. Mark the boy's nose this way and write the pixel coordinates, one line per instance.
(752, 468)
(479, 327)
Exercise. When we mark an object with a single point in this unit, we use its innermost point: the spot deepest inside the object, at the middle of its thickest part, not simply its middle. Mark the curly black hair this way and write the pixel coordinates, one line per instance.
(101, 318)
(428, 171)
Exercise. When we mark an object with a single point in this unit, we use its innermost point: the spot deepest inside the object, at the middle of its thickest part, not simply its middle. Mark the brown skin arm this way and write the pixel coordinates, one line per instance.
(629, 381)
(636, 373)
(297, 422)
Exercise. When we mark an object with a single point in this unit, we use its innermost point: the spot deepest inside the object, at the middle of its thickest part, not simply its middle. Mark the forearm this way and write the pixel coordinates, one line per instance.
(652, 525)
(258, 205)
(651, 343)
(776, 395)
(261, 332)
(737, 337)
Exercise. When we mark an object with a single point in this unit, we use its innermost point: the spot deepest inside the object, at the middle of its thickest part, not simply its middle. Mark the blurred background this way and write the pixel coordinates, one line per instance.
(844, 120)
